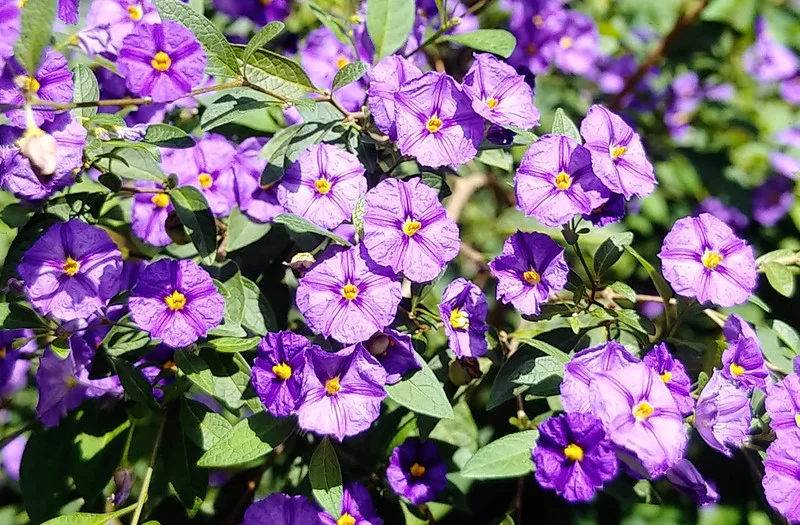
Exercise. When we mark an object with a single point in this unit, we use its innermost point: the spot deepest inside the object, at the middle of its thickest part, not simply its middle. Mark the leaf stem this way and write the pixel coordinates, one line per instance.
(149, 475)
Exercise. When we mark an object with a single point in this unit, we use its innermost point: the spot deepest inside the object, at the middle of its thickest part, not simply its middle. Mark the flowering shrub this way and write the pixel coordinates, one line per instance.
(397, 261)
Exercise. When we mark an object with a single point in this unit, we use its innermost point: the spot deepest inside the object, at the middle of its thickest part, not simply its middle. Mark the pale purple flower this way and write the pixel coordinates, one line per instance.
(773, 200)
(703, 258)
(52, 82)
(789, 90)
(685, 477)
(279, 370)
(68, 11)
(789, 137)
(323, 185)
(768, 60)
(463, 310)
(357, 508)
(407, 229)
(11, 456)
(13, 365)
(281, 509)
(672, 372)
(9, 29)
(386, 78)
(122, 17)
(259, 11)
(260, 204)
(395, 352)
(728, 214)
(584, 367)
(96, 40)
(416, 471)
(722, 416)
(785, 164)
(610, 212)
(781, 480)
(783, 405)
(149, 212)
(575, 46)
(742, 362)
(322, 56)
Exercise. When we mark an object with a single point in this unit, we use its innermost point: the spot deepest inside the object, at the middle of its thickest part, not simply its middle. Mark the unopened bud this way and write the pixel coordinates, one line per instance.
(301, 262)
(123, 482)
(378, 344)
(40, 149)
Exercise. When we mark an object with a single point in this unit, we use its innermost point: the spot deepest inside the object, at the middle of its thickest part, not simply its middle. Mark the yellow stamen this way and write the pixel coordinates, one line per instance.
(349, 291)
(666, 377)
(492, 103)
(135, 13)
(3, 352)
(736, 369)
(71, 266)
(332, 386)
(711, 259)
(417, 470)
(72, 382)
(434, 124)
(73, 40)
(532, 277)
(341, 62)
(265, 3)
(565, 42)
(283, 371)
(205, 180)
(175, 301)
(563, 181)
(161, 61)
(642, 411)
(346, 519)
(459, 319)
(573, 452)
(29, 84)
(323, 185)
(411, 227)
(618, 152)
(22, 3)
(161, 200)
(797, 419)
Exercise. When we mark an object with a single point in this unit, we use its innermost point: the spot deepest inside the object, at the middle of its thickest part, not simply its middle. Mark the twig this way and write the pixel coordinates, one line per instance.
(149, 475)
(518, 499)
(462, 192)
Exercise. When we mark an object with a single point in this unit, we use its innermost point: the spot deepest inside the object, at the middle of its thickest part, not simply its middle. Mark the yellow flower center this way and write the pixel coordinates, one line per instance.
(573, 452)
(617, 152)
(459, 319)
(642, 411)
(136, 13)
(736, 369)
(417, 470)
(346, 519)
(341, 62)
(3, 352)
(411, 227)
(175, 301)
(711, 259)
(492, 103)
(283, 371)
(532, 277)
(666, 377)
(332, 386)
(434, 124)
(538, 21)
(72, 382)
(563, 181)
(161, 200)
(161, 61)
(22, 3)
(71, 266)
(349, 291)
(205, 180)
(265, 3)
(323, 185)
(565, 42)
(29, 84)
(797, 419)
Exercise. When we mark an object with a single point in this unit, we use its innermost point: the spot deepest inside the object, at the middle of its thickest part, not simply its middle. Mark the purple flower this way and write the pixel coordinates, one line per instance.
(208, 166)
(499, 94)
(583, 369)
(149, 212)
(789, 137)
(323, 185)
(281, 509)
(342, 392)
(574, 48)
(357, 508)
(9, 29)
(257, 203)
(96, 40)
(703, 258)
(407, 229)
(781, 480)
(555, 181)
(11, 456)
(176, 301)
(13, 365)
(783, 405)
(611, 211)
(416, 471)
(772, 200)
(767, 60)
(530, 269)
(52, 82)
(279, 370)
(722, 416)
(386, 78)
(618, 157)
(68, 11)
(463, 310)
(163, 61)
(435, 121)
(71, 271)
(729, 215)
(743, 363)
(686, 479)
(395, 352)
(122, 17)
(673, 374)
(573, 456)
(640, 416)
(342, 297)
(323, 55)
(785, 164)
(259, 11)
(790, 90)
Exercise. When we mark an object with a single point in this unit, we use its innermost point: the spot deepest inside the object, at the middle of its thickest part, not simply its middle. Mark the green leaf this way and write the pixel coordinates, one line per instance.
(85, 89)
(133, 164)
(275, 152)
(136, 386)
(123, 339)
(497, 41)
(545, 367)
(98, 445)
(422, 393)
(262, 38)
(350, 73)
(563, 125)
(661, 285)
(241, 105)
(60, 347)
(233, 292)
(18, 315)
(525, 369)
(258, 315)
(325, 477)
(218, 375)
(36, 26)
(780, 278)
(242, 231)
(202, 425)
(276, 73)
(194, 213)
(207, 33)
(624, 290)
(787, 334)
(389, 23)
(331, 22)
(84, 518)
(167, 136)
(250, 439)
(300, 225)
(498, 158)
(610, 251)
(44, 471)
(232, 345)
(188, 481)
(561, 356)
(779, 356)
(508, 457)
(359, 211)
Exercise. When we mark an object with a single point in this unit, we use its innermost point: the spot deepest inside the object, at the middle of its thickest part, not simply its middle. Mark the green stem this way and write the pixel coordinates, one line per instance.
(149, 475)
(679, 318)
(15, 434)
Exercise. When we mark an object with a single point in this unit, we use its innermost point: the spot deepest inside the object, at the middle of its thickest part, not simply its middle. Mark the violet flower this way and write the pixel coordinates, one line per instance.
(416, 471)
(611, 211)
(395, 352)
(52, 82)
(279, 370)
(767, 60)
(783, 405)
(463, 310)
(357, 508)
(737, 220)
(122, 17)
(773, 200)
(149, 212)
(743, 363)
(672, 372)
(584, 367)
(386, 78)
(322, 55)
(259, 204)
(261, 12)
(781, 480)
(9, 29)
(722, 417)
(281, 509)
(686, 479)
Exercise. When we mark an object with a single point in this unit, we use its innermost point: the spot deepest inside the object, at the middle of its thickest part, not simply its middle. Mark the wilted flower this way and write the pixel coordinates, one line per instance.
(386, 78)
(52, 82)
(357, 508)
(743, 363)
(281, 509)
(279, 370)
(257, 203)
(584, 367)
(773, 200)
(122, 17)
(395, 352)
(416, 471)
(686, 479)
(673, 374)
(463, 310)
(722, 416)
(781, 480)
(783, 405)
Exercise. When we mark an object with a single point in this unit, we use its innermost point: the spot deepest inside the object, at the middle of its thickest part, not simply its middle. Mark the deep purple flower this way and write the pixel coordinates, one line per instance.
(500, 135)
(176, 301)
(611, 211)
(395, 352)
(435, 121)
(9, 29)
(122, 17)
(783, 405)
(357, 508)
(743, 363)
(208, 166)
(386, 78)
(530, 269)
(52, 82)
(342, 392)
(259, 11)
(13, 365)
(279, 370)
(781, 480)
(463, 310)
(722, 416)
(149, 212)
(71, 271)
(407, 229)
(640, 416)
(673, 374)
(583, 368)
(416, 471)
(323, 185)
(281, 509)
(573, 456)
(618, 157)
(767, 60)
(686, 479)
(163, 61)
(322, 56)
(773, 200)
(703, 258)
(11, 456)
(68, 11)
(257, 203)
(729, 215)
(499, 94)
(342, 297)
(555, 181)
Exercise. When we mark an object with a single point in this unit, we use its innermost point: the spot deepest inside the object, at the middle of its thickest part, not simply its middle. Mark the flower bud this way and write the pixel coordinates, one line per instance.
(378, 344)
(301, 262)
(123, 482)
